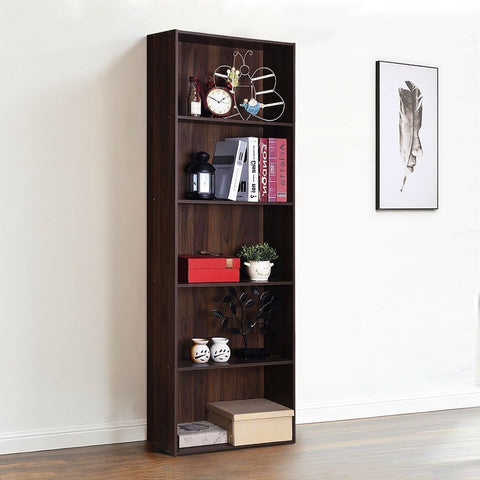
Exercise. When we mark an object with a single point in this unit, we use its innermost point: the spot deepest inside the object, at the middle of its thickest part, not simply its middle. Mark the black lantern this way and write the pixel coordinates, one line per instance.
(201, 178)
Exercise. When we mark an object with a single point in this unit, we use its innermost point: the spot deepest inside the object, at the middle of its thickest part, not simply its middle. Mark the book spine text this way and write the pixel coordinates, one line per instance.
(272, 169)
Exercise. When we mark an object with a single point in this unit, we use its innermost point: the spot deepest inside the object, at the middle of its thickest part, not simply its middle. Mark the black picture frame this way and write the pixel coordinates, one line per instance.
(406, 136)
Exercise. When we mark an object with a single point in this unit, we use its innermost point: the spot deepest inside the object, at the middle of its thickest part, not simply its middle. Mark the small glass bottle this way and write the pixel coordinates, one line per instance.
(194, 98)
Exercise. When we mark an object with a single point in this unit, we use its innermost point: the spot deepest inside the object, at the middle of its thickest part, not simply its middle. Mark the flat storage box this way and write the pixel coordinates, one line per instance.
(203, 269)
(196, 434)
(254, 421)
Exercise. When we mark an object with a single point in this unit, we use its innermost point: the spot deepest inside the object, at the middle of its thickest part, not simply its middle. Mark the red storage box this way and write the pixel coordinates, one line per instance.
(200, 268)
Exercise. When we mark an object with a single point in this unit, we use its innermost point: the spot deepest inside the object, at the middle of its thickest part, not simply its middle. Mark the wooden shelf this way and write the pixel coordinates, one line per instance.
(232, 204)
(241, 284)
(186, 366)
(231, 42)
(178, 390)
(232, 121)
(224, 446)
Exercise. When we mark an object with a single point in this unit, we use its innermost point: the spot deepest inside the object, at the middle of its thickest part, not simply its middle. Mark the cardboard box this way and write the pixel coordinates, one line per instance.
(201, 268)
(195, 434)
(249, 422)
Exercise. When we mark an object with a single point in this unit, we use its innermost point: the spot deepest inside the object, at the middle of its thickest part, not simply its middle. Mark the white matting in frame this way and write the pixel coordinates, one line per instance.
(407, 136)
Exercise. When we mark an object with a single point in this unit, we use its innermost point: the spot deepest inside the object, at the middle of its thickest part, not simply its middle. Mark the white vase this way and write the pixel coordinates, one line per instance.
(259, 271)
(220, 351)
(199, 352)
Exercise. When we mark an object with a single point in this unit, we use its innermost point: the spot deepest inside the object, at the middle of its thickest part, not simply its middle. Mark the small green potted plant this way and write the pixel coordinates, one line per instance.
(258, 260)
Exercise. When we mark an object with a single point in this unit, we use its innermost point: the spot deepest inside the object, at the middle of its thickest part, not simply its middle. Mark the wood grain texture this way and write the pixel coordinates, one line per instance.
(427, 446)
(161, 234)
(216, 386)
(218, 228)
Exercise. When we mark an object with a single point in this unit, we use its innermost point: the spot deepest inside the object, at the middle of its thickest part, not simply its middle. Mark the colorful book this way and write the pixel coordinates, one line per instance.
(228, 162)
(248, 188)
(272, 169)
(263, 169)
(281, 169)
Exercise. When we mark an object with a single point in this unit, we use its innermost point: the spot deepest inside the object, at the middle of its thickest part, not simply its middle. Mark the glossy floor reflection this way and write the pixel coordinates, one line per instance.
(426, 446)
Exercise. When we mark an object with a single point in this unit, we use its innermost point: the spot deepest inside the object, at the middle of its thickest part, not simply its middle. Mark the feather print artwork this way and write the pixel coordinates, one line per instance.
(410, 122)
(406, 121)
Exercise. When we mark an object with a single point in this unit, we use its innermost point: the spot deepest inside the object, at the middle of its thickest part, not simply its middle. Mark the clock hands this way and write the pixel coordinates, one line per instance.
(222, 100)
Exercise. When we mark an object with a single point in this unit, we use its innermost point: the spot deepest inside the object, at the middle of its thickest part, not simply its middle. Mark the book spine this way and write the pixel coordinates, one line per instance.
(242, 194)
(272, 169)
(248, 188)
(237, 170)
(253, 170)
(263, 169)
(281, 169)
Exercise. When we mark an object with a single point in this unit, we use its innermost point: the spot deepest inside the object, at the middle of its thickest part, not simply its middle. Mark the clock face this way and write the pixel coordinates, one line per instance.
(219, 101)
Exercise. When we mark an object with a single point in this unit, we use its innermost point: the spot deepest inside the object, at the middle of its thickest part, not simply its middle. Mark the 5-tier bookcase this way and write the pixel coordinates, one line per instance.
(178, 390)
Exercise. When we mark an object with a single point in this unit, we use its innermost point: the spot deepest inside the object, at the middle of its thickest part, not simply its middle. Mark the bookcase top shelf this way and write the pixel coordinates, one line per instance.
(225, 40)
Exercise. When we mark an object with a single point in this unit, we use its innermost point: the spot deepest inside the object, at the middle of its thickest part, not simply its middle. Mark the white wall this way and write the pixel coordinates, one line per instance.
(386, 314)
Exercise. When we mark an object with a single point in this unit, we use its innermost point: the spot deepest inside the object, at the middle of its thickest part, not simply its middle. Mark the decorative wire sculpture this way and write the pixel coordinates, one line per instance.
(245, 83)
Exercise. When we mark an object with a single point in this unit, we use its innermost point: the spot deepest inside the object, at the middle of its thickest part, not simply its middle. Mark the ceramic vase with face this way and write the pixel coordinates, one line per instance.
(220, 351)
(259, 271)
(199, 352)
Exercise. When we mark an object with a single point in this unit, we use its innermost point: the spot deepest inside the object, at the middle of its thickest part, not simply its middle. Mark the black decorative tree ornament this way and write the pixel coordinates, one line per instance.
(201, 178)
(243, 318)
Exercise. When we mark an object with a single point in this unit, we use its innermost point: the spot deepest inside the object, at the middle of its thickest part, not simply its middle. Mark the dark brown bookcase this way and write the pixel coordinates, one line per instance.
(178, 390)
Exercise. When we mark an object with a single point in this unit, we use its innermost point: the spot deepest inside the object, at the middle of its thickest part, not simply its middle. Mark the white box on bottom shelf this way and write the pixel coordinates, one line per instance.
(197, 434)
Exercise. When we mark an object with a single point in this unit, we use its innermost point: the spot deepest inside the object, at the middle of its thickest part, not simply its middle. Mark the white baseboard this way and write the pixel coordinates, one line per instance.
(136, 430)
(76, 436)
(390, 406)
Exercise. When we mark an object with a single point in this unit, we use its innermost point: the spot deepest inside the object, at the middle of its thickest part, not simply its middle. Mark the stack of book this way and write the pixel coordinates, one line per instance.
(251, 169)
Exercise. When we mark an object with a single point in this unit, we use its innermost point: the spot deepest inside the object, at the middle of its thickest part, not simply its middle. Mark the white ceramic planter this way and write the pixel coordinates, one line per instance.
(220, 351)
(259, 271)
(199, 352)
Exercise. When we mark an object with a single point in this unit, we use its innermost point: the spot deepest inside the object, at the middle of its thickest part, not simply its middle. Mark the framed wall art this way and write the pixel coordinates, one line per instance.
(406, 136)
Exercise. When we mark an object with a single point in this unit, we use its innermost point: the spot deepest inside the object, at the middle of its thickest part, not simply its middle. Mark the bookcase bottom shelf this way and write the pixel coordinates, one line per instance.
(226, 446)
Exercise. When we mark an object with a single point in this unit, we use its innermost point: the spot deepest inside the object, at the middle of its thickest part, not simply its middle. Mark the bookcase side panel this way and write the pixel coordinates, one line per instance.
(161, 213)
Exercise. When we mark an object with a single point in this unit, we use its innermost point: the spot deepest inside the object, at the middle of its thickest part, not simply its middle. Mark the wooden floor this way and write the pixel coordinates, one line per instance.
(430, 446)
